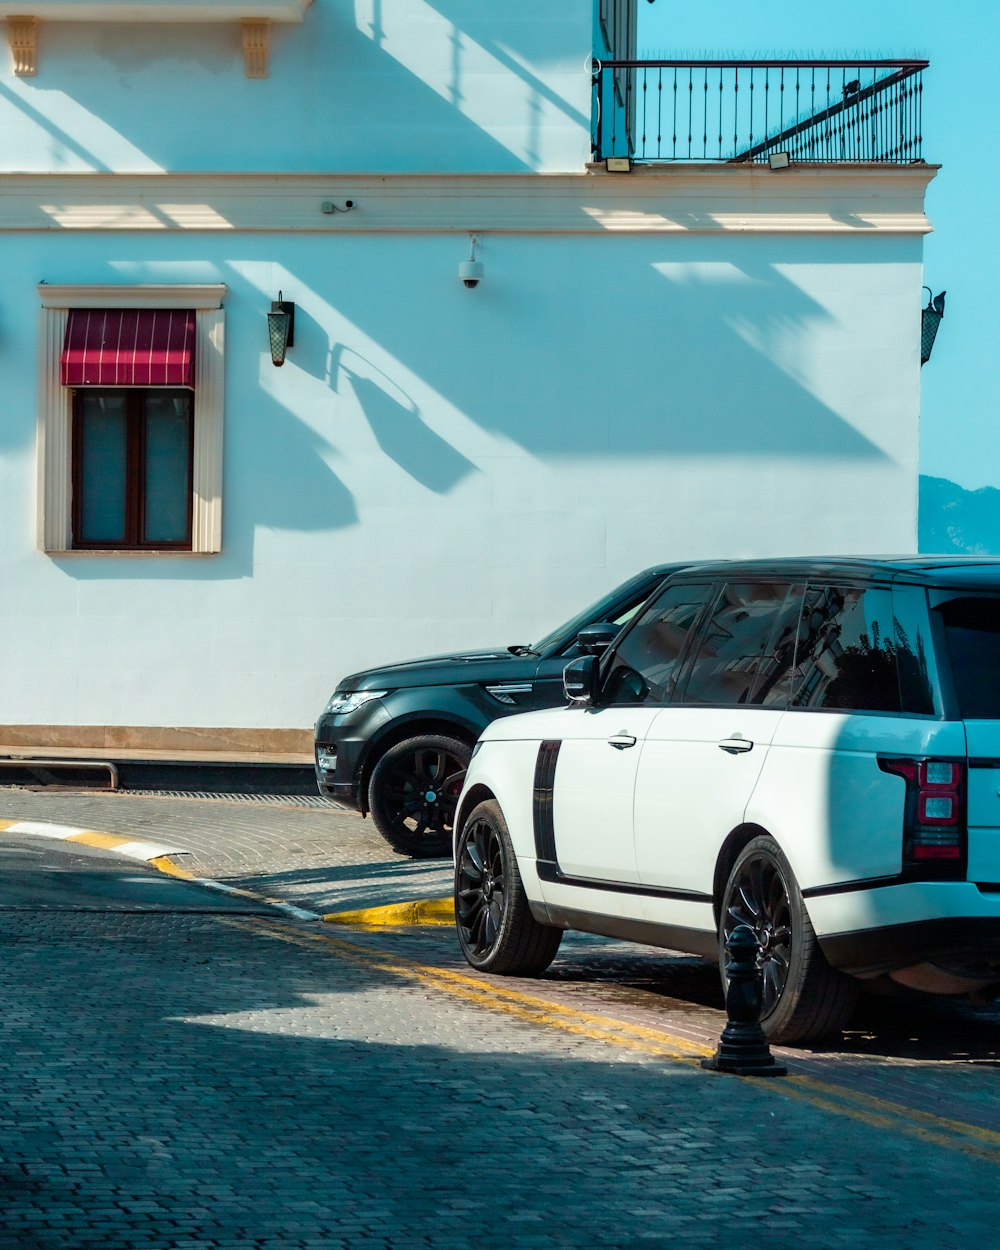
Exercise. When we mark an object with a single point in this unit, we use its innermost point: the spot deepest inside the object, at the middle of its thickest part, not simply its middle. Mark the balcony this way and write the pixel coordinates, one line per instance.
(823, 112)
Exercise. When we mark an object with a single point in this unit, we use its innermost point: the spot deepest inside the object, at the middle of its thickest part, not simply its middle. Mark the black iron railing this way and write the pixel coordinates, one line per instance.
(744, 111)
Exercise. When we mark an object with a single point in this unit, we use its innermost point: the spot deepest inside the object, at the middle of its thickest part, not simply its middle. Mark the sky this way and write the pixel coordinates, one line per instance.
(960, 429)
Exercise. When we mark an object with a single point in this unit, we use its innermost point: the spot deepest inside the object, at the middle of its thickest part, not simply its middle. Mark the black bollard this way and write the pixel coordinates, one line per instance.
(743, 1047)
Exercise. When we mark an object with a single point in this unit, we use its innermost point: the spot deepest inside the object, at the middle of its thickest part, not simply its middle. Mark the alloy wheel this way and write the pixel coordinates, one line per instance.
(420, 793)
(758, 897)
(481, 887)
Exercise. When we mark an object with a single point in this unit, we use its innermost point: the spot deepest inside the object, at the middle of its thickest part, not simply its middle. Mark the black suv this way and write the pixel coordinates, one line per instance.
(395, 741)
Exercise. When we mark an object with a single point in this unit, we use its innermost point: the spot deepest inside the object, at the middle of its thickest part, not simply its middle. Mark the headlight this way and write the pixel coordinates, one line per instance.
(350, 700)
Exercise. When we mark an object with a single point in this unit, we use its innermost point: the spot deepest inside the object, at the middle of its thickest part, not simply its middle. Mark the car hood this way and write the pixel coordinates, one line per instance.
(457, 667)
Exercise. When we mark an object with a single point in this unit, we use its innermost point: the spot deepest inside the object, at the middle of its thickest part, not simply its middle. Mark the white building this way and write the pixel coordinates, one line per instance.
(691, 359)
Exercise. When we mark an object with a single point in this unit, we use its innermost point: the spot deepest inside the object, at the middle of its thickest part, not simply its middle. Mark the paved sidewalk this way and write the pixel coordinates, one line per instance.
(321, 858)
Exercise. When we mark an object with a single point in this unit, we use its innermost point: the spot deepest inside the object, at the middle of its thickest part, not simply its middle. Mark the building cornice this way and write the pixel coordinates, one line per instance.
(703, 199)
(138, 11)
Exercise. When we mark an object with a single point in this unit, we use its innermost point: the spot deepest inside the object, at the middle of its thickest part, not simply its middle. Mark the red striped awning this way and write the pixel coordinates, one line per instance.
(128, 347)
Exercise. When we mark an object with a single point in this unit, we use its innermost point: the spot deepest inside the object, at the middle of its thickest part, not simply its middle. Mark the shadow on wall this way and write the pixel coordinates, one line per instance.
(707, 357)
(397, 425)
(955, 521)
(93, 113)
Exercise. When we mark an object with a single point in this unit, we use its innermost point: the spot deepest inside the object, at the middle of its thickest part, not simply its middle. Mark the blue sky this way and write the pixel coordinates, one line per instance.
(960, 422)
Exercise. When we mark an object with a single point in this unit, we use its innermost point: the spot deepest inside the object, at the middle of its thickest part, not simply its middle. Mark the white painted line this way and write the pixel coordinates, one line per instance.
(42, 830)
(145, 850)
(299, 913)
(133, 849)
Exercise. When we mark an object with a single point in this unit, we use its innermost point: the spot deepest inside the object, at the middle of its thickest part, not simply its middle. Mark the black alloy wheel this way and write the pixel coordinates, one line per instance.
(480, 887)
(758, 897)
(496, 929)
(413, 792)
(802, 997)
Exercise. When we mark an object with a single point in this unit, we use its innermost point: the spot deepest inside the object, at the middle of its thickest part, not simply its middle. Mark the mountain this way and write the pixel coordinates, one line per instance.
(956, 521)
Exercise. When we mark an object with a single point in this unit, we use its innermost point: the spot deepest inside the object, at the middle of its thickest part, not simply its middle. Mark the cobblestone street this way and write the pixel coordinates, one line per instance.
(189, 1081)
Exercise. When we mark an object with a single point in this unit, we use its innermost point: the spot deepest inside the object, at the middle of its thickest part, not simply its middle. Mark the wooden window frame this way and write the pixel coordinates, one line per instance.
(135, 472)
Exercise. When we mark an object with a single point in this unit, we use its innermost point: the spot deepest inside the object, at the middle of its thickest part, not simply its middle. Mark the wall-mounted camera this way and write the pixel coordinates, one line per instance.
(471, 271)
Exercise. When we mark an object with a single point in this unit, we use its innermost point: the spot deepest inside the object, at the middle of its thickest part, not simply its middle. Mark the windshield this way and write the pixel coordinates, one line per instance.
(972, 637)
(616, 606)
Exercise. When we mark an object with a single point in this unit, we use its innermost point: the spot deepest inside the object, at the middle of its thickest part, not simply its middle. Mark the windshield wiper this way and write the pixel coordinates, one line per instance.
(519, 650)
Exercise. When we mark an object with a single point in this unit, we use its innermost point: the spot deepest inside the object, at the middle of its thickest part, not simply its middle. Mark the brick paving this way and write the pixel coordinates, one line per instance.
(186, 1083)
(324, 859)
(823, 1168)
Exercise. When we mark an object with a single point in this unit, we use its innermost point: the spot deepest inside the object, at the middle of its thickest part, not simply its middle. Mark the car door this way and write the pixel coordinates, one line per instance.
(594, 778)
(703, 754)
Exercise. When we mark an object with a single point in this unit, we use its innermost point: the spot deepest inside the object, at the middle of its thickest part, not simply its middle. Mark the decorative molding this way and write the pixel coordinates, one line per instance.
(23, 34)
(178, 11)
(846, 199)
(256, 46)
(55, 404)
(148, 295)
(255, 17)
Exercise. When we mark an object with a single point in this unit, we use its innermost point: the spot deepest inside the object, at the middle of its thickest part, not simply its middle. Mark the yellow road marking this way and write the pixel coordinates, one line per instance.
(426, 911)
(868, 1109)
(165, 864)
(105, 841)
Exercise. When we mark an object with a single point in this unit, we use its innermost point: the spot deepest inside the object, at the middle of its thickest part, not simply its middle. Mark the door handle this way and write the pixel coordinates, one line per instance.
(735, 746)
(621, 741)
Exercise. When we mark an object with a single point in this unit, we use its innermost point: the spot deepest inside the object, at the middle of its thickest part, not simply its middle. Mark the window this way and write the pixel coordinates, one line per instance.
(972, 640)
(132, 468)
(848, 650)
(646, 664)
(130, 441)
(746, 651)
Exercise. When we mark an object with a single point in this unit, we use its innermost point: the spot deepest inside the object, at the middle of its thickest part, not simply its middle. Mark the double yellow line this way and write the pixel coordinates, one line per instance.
(877, 1113)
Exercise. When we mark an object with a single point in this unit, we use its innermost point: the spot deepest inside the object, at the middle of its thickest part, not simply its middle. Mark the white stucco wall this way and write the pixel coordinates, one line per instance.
(438, 467)
(656, 367)
(386, 85)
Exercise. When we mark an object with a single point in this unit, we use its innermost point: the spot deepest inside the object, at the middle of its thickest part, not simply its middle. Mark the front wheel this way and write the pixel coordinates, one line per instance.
(803, 998)
(413, 792)
(496, 929)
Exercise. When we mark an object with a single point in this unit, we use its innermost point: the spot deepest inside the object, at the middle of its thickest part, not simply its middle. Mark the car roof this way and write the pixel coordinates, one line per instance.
(937, 570)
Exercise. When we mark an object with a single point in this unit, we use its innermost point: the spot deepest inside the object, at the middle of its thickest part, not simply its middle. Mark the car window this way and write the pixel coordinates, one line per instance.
(847, 654)
(617, 606)
(646, 665)
(972, 641)
(746, 651)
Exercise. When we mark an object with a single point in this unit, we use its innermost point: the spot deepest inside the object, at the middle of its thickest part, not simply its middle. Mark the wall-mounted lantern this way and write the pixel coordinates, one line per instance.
(281, 328)
(930, 319)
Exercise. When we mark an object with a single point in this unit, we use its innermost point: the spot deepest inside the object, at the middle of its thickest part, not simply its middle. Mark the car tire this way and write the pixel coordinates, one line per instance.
(496, 929)
(804, 999)
(413, 791)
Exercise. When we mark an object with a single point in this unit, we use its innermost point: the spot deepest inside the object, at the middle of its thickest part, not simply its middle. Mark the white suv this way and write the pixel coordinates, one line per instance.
(810, 747)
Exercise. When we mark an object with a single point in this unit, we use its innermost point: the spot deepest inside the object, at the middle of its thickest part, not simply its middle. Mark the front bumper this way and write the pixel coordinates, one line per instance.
(346, 739)
(868, 932)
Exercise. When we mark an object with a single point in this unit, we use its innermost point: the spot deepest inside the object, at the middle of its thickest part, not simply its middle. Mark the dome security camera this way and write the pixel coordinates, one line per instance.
(471, 273)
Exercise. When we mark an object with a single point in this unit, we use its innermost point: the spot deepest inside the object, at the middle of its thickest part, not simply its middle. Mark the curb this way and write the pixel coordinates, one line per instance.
(123, 844)
(158, 856)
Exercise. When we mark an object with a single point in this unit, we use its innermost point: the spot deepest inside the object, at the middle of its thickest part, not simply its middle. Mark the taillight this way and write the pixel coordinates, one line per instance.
(934, 830)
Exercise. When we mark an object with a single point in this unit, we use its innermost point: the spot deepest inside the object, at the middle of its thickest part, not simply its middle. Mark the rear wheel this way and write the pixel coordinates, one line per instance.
(413, 792)
(803, 998)
(496, 929)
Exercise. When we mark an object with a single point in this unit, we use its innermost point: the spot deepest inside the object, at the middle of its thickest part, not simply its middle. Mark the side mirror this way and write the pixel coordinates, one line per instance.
(580, 680)
(593, 639)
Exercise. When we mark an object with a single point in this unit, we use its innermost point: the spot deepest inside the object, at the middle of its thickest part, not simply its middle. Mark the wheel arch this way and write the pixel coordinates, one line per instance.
(399, 731)
(740, 837)
(479, 793)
